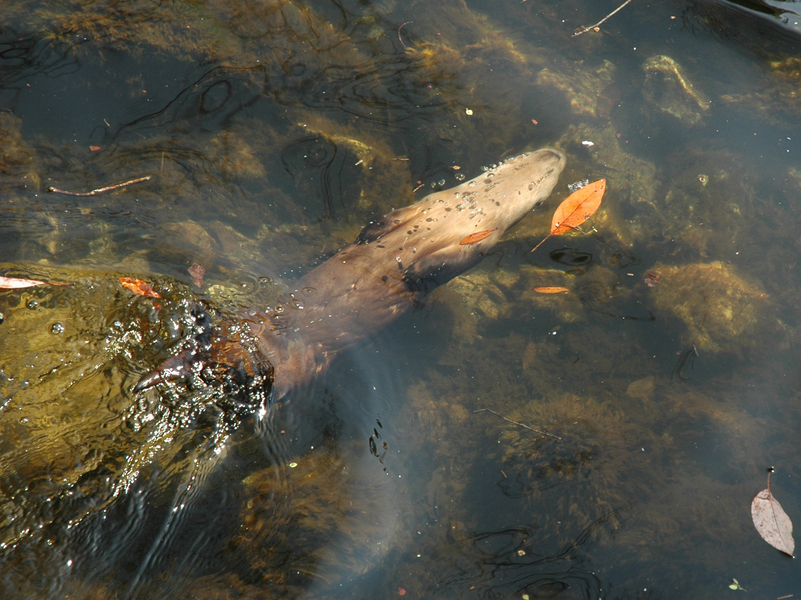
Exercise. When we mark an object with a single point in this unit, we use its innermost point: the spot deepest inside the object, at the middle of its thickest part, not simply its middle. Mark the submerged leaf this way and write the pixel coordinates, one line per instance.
(578, 207)
(476, 237)
(551, 289)
(139, 287)
(197, 272)
(772, 522)
(14, 283)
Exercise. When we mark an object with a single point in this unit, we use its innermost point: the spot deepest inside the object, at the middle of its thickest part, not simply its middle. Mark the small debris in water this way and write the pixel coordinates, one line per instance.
(651, 279)
(572, 187)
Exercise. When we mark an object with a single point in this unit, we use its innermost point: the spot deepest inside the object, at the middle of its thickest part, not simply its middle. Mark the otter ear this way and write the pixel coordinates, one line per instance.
(432, 270)
(386, 224)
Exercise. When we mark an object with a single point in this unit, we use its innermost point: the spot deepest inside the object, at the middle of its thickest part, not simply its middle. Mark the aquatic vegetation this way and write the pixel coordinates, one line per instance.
(583, 86)
(721, 309)
(668, 88)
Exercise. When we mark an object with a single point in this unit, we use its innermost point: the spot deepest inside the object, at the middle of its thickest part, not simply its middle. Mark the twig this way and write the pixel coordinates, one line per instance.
(517, 423)
(400, 39)
(598, 24)
(102, 190)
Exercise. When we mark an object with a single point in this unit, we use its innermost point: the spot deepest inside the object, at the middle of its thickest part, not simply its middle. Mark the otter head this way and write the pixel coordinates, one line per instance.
(431, 239)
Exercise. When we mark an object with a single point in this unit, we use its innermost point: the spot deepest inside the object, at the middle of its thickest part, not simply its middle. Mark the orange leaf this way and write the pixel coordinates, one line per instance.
(476, 237)
(139, 287)
(551, 289)
(578, 207)
(14, 283)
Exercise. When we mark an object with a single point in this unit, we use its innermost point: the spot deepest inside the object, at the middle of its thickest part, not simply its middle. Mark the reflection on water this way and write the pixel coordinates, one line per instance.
(272, 132)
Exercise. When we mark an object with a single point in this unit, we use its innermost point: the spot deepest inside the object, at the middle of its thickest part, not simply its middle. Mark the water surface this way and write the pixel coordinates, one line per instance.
(656, 392)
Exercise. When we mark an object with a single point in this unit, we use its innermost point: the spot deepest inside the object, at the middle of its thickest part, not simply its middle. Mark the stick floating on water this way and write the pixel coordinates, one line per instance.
(598, 24)
(102, 190)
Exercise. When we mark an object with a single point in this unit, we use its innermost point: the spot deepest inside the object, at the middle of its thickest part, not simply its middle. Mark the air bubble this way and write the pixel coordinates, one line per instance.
(57, 328)
(459, 176)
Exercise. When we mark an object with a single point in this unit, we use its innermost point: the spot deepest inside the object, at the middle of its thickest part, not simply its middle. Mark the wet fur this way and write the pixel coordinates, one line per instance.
(393, 263)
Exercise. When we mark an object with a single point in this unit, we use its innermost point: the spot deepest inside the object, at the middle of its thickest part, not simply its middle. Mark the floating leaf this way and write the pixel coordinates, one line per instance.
(576, 208)
(551, 289)
(772, 522)
(139, 287)
(197, 272)
(14, 283)
(476, 237)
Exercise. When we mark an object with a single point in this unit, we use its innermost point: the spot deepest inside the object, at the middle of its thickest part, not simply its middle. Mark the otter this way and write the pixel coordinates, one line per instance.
(393, 263)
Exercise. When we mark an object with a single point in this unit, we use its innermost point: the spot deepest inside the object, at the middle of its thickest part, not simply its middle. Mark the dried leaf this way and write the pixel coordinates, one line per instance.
(551, 289)
(197, 272)
(578, 207)
(476, 237)
(772, 522)
(139, 287)
(14, 283)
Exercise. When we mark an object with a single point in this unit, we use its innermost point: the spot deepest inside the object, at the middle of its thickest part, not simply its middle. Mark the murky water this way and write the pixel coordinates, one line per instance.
(497, 442)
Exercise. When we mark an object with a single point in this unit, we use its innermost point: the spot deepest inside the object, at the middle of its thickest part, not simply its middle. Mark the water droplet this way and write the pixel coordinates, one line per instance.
(32, 304)
(57, 328)
(472, 184)
(458, 195)
(441, 182)
(459, 176)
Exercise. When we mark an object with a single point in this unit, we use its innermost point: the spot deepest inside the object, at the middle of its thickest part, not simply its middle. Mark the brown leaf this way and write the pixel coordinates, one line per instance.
(551, 289)
(772, 522)
(139, 287)
(14, 283)
(476, 237)
(578, 207)
(197, 272)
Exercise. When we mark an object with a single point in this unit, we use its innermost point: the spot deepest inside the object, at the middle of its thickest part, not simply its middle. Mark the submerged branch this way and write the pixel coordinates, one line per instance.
(102, 190)
(517, 423)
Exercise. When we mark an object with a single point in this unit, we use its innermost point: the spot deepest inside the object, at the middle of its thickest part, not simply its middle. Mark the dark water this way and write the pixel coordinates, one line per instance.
(271, 133)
